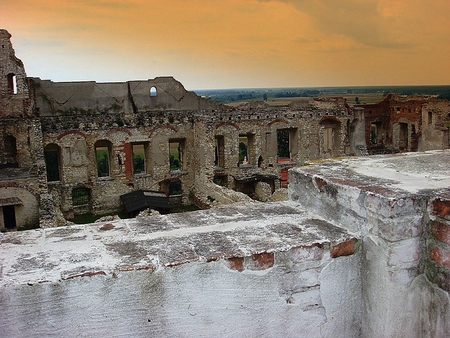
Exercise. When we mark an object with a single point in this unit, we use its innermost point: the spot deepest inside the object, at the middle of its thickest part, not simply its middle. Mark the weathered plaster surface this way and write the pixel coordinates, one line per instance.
(259, 269)
(400, 206)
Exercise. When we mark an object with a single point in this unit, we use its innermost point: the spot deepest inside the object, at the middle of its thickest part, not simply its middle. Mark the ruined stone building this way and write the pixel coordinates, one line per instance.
(360, 248)
(71, 148)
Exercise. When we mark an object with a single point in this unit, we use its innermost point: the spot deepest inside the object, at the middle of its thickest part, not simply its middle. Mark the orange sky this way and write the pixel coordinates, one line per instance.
(234, 43)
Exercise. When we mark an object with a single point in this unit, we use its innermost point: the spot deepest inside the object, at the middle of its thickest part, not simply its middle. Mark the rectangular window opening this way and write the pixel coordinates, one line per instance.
(403, 137)
(219, 149)
(52, 164)
(9, 216)
(243, 150)
(80, 196)
(176, 149)
(138, 158)
(102, 155)
(175, 188)
(283, 145)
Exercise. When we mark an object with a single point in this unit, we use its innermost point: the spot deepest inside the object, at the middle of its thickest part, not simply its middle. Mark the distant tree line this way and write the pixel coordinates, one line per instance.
(233, 95)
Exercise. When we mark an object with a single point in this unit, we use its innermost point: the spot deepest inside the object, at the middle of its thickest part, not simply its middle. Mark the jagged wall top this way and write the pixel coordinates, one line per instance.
(14, 92)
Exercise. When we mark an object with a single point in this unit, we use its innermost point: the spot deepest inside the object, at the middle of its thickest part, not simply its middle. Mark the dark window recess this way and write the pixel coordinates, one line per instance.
(10, 149)
(9, 216)
(80, 196)
(52, 164)
(175, 187)
(283, 144)
(219, 151)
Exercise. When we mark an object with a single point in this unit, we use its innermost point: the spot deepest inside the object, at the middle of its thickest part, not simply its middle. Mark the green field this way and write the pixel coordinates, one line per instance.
(285, 96)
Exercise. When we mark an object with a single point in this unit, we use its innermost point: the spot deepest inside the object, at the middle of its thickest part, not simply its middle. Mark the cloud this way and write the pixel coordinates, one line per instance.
(368, 22)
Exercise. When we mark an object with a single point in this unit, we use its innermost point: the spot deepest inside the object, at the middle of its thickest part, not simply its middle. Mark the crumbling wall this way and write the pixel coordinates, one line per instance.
(263, 270)
(404, 247)
(14, 92)
(435, 123)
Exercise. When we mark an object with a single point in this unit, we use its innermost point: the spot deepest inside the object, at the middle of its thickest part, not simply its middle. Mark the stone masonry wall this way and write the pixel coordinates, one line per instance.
(404, 246)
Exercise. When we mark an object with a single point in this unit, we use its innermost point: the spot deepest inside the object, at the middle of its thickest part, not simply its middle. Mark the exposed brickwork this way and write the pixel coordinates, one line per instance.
(262, 261)
(106, 227)
(441, 208)
(320, 183)
(442, 257)
(343, 249)
(441, 231)
(236, 263)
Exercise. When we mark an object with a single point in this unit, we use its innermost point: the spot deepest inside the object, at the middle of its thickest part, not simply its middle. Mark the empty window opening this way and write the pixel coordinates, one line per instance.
(283, 145)
(10, 151)
(9, 216)
(331, 137)
(102, 154)
(12, 83)
(153, 92)
(328, 139)
(80, 197)
(52, 162)
(138, 158)
(219, 150)
(176, 150)
(430, 118)
(376, 137)
(175, 187)
(243, 150)
(403, 137)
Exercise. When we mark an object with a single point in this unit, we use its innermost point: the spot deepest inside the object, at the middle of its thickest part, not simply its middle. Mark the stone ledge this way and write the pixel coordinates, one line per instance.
(247, 237)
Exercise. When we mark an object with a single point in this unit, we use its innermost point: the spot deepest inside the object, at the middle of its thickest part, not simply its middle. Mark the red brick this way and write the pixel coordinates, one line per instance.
(440, 257)
(320, 183)
(262, 261)
(343, 249)
(236, 263)
(106, 227)
(441, 208)
(441, 231)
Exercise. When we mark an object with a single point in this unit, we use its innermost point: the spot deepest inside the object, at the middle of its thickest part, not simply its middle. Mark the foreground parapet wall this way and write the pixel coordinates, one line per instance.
(400, 206)
(257, 270)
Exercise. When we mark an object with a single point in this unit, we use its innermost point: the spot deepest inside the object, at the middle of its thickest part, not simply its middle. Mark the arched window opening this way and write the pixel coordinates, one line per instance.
(153, 91)
(12, 83)
(52, 155)
(103, 158)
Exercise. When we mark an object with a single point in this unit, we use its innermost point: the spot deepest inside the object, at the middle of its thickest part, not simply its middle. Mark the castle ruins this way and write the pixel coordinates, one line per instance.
(325, 240)
(68, 148)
